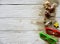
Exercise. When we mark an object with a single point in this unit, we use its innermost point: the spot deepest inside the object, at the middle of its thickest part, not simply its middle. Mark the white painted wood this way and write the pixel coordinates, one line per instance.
(25, 1)
(26, 37)
(20, 10)
(58, 11)
(21, 1)
(17, 22)
(17, 26)
(20, 23)
(20, 17)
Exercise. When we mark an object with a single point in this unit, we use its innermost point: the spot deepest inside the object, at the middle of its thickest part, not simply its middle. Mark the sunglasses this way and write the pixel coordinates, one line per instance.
(52, 31)
(47, 38)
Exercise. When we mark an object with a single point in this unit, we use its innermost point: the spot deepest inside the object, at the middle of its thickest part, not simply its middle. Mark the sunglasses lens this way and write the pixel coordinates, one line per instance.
(43, 36)
(50, 32)
(52, 41)
(57, 34)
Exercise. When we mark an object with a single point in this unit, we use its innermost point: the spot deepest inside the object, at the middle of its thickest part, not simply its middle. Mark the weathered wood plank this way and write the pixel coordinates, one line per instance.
(25, 37)
(20, 10)
(23, 10)
(19, 23)
(15, 22)
(21, 1)
(24, 24)
(58, 11)
(26, 1)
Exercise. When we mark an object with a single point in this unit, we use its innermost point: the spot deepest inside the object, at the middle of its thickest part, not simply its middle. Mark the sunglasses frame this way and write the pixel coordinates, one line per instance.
(54, 32)
(48, 38)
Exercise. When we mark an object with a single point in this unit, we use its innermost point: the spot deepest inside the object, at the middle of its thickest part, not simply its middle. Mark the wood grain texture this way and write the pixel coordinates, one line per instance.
(21, 24)
(58, 11)
(18, 22)
(21, 1)
(26, 1)
(20, 10)
(25, 37)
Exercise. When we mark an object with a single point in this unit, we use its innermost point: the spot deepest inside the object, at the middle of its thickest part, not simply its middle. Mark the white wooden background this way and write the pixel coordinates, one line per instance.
(17, 22)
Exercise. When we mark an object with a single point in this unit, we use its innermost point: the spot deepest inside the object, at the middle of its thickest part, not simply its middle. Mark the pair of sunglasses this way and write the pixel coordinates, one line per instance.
(52, 31)
(47, 38)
